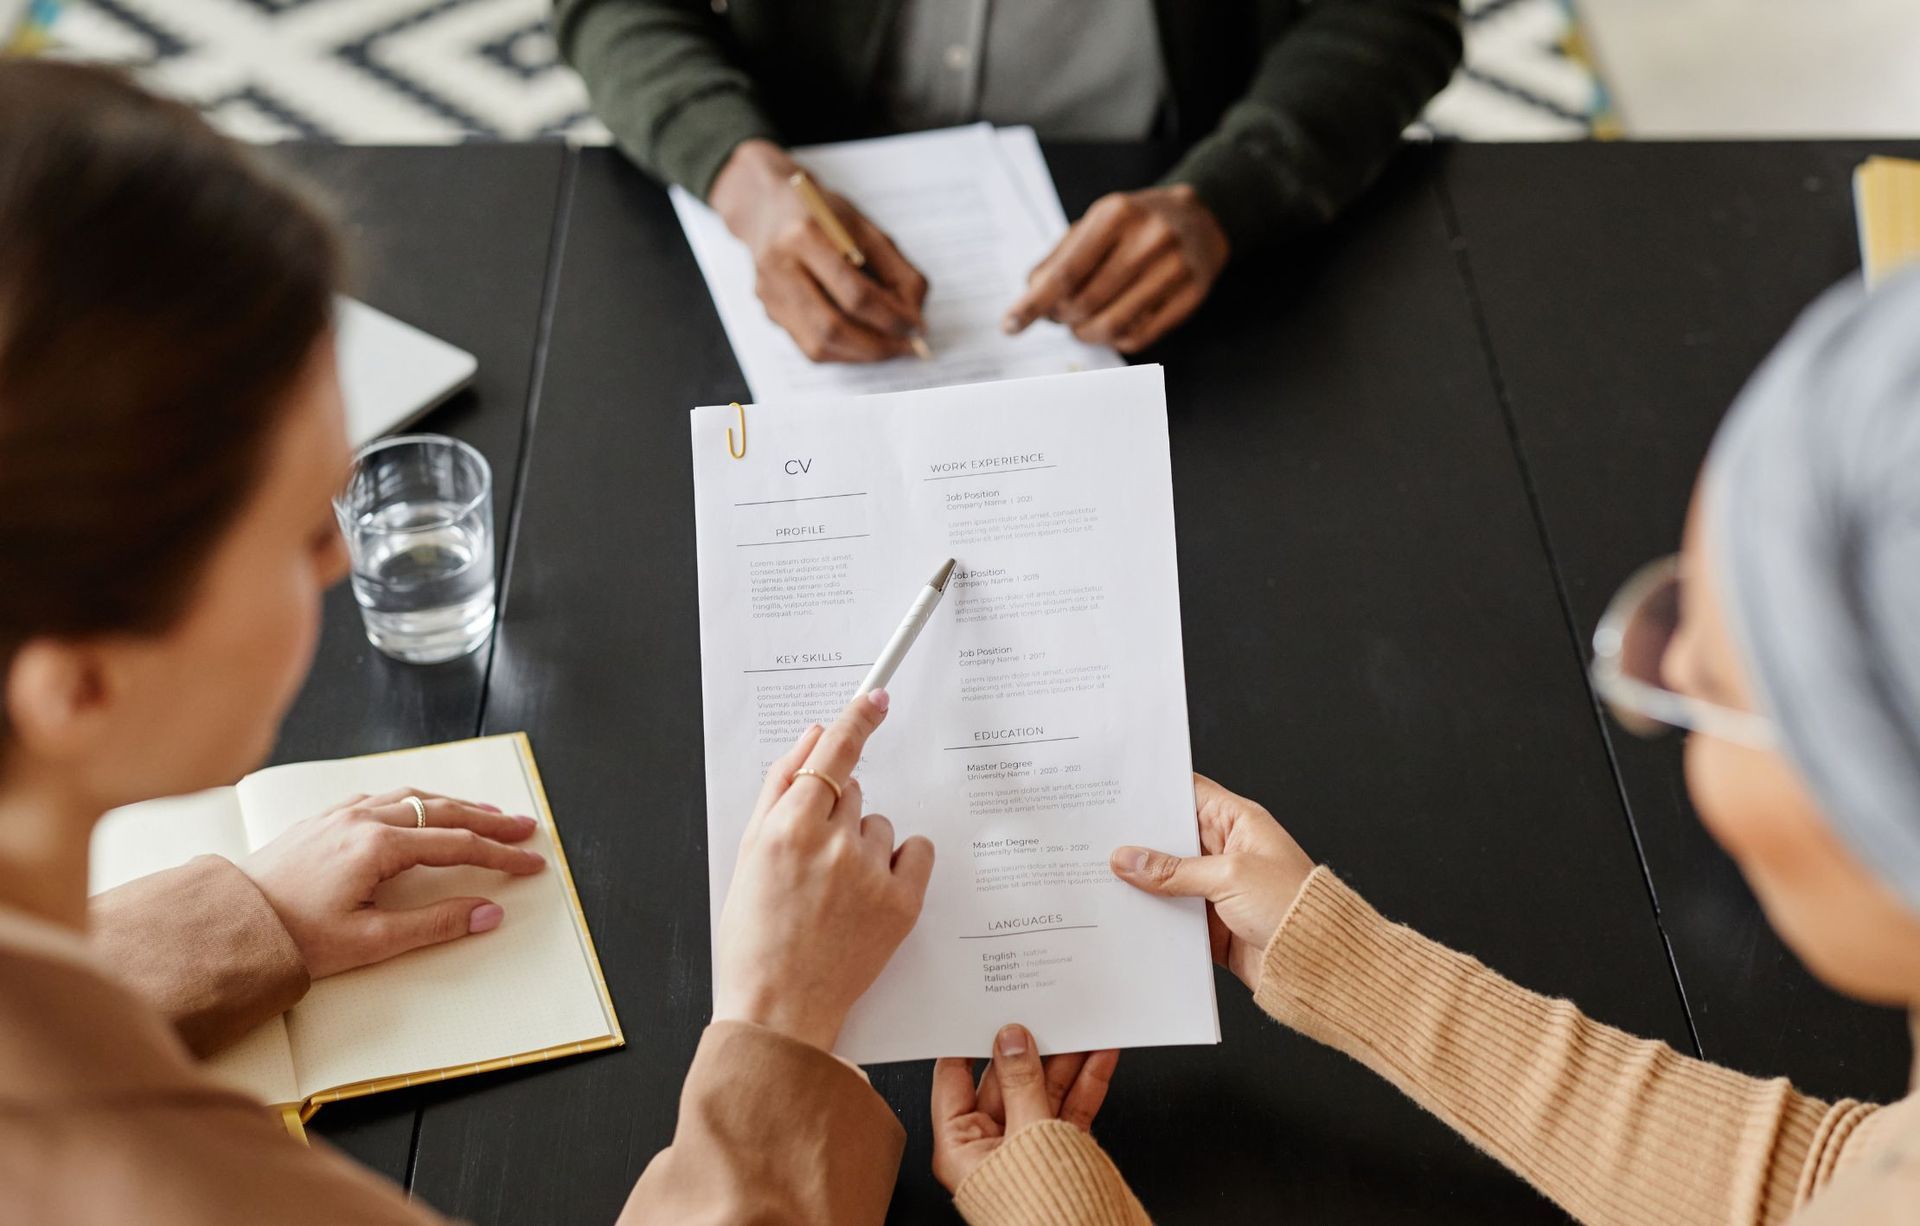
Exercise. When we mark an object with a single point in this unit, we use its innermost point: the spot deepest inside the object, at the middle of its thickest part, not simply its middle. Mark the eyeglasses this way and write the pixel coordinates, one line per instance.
(1628, 646)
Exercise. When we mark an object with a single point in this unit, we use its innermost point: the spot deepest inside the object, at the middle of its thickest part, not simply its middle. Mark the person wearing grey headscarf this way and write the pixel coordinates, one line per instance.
(1814, 494)
(1785, 638)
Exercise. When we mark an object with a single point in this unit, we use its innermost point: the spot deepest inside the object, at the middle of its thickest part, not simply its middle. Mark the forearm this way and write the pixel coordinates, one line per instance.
(1613, 1128)
(1324, 112)
(202, 944)
(771, 1129)
(664, 82)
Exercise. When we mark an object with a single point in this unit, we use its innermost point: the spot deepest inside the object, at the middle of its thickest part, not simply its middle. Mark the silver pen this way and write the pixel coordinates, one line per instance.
(919, 613)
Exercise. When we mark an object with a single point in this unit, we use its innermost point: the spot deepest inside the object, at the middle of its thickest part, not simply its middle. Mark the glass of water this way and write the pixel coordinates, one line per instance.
(417, 512)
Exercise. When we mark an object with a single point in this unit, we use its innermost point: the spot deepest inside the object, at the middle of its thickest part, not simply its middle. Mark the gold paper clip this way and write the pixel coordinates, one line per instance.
(738, 450)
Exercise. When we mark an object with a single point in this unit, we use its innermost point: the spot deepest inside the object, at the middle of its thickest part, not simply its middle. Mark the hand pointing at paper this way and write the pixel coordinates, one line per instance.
(1133, 267)
(821, 896)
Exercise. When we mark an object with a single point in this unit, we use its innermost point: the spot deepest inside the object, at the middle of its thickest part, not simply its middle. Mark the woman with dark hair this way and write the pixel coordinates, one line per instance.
(171, 436)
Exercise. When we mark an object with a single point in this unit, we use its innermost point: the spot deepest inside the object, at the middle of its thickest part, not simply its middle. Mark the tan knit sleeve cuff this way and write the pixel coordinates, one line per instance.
(203, 945)
(1050, 1172)
(1296, 969)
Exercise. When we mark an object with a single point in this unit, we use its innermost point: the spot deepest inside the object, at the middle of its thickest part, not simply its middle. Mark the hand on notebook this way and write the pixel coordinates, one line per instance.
(1134, 266)
(320, 875)
(833, 311)
(1249, 870)
(821, 897)
(1017, 1089)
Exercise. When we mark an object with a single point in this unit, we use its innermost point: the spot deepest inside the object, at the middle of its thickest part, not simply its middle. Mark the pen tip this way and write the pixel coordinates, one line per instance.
(939, 581)
(921, 349)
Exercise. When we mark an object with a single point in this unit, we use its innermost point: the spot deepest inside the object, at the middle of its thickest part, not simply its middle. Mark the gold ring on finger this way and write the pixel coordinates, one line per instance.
(419, 812)
(837, 791)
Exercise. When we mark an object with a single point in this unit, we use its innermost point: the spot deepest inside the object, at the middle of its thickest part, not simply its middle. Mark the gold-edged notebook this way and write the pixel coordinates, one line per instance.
(1886, 201)
(528, 991)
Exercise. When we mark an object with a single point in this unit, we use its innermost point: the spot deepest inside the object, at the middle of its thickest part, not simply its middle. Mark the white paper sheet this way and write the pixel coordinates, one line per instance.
(973, 209)
(1039, 722)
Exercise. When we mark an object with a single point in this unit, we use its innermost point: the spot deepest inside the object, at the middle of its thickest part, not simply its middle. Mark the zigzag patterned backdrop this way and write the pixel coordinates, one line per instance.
(428, 71)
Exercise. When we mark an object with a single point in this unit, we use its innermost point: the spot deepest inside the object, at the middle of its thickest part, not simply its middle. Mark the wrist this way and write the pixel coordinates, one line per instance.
(792, 1018)
(751, 172)
(1214, 245)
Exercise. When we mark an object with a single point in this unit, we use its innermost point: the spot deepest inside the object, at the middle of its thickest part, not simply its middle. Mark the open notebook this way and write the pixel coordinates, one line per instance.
(1886, 199)
(529, 990)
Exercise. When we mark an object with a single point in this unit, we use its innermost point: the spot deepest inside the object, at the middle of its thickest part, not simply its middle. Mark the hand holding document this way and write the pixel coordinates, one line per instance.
(1038, 723)
(974, 209)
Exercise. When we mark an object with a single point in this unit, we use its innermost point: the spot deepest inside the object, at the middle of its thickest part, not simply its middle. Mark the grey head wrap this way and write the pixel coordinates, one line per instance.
(1814, 505)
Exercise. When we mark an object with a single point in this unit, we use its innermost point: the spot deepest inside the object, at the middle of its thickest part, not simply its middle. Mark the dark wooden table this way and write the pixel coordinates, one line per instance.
(456, 241)
(1405, 474)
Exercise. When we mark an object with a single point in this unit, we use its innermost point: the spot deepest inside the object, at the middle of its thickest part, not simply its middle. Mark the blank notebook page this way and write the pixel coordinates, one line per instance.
(525, 986)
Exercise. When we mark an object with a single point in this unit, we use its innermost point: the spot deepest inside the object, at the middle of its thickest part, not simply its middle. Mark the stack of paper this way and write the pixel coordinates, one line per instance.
(1886, 197)
(1039, 722)
(974, 209)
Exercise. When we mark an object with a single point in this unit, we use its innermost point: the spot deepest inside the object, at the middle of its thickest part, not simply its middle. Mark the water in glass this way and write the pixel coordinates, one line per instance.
(418, 518)
(425, 585)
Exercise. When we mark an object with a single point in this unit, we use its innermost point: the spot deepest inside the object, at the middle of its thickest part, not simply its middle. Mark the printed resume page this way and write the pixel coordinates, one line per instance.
(1039, 722)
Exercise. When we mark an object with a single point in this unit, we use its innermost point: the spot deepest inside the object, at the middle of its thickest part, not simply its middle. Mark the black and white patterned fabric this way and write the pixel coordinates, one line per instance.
(430, 71)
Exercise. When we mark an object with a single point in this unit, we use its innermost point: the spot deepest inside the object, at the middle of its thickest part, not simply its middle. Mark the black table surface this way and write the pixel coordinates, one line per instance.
(455, 241)
(1390, 556)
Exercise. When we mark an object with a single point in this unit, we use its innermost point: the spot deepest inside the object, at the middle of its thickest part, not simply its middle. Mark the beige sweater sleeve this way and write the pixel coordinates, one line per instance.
(1612, 1128)
(771, 1130)
(203, 946)
(1048, 1174)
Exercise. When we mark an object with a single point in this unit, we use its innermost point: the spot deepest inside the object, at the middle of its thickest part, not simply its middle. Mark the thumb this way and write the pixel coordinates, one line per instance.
(1172, 876)
(396, 932)
(1023, 1084)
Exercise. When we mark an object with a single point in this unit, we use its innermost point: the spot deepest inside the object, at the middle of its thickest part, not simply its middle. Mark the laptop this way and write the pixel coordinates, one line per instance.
(391, 373)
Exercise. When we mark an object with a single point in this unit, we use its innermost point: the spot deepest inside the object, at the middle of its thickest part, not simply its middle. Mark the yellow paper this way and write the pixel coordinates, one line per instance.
(1886, 194)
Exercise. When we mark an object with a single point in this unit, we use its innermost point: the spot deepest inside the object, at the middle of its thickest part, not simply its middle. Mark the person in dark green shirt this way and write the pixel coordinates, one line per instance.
(1286, 110)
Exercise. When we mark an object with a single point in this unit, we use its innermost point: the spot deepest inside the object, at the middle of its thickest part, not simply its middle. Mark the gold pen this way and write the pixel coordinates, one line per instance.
(829, 223)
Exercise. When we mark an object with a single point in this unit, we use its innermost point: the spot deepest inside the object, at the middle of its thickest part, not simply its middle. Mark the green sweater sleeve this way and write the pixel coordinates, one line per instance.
(663, 82)
(1332, 94)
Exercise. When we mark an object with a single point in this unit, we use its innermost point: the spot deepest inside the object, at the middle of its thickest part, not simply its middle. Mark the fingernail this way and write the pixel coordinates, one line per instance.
(1012, 1041)
(806, 732)
(880, 699)
(1131, 859)
(1009, 324)
(485, 917)
(524, 820)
